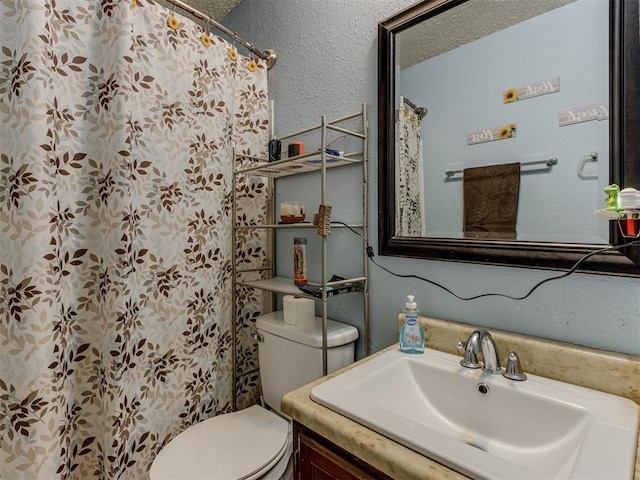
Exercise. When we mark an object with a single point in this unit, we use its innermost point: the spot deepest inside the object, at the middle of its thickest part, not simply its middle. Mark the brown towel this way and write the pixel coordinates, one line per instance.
(491, 201)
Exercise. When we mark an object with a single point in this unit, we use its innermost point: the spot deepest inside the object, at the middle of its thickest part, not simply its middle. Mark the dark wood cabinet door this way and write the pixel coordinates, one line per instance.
(319, 459)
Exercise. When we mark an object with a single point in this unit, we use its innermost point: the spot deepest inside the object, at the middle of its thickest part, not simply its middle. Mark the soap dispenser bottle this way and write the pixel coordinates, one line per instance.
(411, 332)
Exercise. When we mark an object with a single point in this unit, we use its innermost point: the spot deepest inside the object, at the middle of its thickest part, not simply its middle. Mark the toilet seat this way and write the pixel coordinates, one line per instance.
(241, 445)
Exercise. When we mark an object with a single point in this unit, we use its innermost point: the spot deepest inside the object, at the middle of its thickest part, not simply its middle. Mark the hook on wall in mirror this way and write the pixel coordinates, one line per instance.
(589, 157)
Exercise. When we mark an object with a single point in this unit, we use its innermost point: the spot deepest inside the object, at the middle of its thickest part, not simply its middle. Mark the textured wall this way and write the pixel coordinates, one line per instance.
(328, 64)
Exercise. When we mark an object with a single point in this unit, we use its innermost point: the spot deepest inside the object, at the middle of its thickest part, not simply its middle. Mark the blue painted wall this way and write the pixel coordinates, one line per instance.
(327, 64)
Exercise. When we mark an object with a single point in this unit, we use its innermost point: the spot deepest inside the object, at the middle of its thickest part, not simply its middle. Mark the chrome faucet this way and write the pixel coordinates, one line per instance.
(480, 341)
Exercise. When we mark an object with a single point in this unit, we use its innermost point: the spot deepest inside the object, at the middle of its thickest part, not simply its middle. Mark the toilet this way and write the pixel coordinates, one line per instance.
(256, 443)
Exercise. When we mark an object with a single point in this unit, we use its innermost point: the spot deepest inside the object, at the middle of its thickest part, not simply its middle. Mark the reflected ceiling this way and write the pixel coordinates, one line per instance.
(477, 19)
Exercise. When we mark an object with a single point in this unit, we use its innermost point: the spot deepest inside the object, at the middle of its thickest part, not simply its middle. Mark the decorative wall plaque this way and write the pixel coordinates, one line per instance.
(535, 89)
(492, 134)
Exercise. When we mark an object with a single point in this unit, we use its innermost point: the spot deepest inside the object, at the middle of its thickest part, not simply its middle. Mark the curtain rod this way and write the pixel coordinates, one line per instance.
(420, 111)
(269, 56)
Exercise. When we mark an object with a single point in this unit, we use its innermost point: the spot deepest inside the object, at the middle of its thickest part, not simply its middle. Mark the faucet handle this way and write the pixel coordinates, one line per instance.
(513, 371)
(470, 359)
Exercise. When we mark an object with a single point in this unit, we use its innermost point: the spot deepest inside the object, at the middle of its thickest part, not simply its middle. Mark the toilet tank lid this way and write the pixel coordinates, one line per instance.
(338, 333)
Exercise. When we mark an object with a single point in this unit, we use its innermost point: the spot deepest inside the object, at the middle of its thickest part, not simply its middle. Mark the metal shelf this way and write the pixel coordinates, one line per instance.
(315, 161)
(288, 226)
(287, 287)
(275, 285)
(308, 162)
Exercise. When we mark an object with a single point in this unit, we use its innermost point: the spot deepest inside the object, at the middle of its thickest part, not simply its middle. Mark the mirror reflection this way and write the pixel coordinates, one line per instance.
(502, 122)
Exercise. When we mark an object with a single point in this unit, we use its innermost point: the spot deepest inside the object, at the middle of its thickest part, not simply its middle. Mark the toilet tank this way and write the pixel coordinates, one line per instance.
(291, 356)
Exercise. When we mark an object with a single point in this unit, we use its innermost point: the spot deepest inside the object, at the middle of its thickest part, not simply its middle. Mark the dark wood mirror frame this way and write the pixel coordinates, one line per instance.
(624, 118)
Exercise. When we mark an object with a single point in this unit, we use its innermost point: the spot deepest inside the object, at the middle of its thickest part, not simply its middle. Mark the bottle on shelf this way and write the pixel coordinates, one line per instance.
(300, 261)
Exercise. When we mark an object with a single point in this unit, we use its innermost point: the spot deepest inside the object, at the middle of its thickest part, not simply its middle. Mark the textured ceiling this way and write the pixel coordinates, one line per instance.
(435, 36)
(463, 24)
(216, 9)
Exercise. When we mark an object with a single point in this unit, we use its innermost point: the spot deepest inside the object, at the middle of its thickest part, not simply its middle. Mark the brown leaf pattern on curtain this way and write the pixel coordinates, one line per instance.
(249, 120)
(115, 218)
(409, 184)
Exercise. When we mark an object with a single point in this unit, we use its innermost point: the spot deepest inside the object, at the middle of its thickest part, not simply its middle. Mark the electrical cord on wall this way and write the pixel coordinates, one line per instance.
(370, 254)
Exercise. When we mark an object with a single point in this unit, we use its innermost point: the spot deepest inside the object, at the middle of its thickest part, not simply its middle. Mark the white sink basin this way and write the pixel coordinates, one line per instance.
(485, 426)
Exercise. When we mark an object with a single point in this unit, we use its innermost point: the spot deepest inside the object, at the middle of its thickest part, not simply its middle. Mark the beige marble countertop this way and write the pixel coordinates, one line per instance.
(605, 371)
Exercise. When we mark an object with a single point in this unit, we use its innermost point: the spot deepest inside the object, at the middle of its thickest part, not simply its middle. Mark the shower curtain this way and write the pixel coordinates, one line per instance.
(118, 122)
(410, 220)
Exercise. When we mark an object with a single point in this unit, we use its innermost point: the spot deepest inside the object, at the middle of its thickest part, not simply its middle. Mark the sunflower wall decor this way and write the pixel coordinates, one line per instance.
(492, 134)
(531, 90)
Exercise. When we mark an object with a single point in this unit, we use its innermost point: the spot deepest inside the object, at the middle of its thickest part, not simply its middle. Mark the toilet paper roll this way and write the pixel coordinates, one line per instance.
(298, 311)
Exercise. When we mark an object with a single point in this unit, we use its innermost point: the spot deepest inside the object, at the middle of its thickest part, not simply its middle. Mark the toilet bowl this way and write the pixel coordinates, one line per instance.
(257, 443)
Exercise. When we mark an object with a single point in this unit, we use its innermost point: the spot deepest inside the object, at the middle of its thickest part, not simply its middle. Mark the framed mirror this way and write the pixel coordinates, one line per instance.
(542, 95)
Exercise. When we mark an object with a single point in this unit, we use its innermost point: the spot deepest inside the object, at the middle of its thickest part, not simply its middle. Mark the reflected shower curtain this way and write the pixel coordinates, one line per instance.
(118, 121)
(410, 220)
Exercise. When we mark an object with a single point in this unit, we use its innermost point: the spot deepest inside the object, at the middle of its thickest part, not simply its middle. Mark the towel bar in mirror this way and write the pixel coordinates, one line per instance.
(550, 162)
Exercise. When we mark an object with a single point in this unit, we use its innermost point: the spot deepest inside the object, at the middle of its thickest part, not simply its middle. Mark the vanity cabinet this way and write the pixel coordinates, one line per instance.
(351, 131)
(316, 458)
